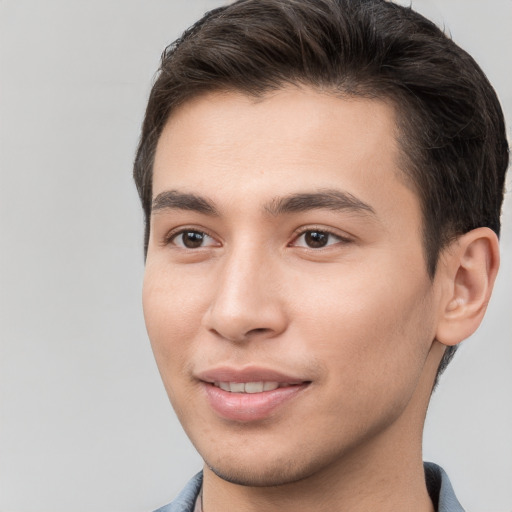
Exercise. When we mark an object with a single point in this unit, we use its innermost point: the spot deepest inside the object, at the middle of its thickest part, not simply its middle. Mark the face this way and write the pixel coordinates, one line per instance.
(286, 294)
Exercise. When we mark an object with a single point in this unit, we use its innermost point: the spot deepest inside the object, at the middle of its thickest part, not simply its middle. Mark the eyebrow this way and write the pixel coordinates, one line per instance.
(174, 200)
(328, 199)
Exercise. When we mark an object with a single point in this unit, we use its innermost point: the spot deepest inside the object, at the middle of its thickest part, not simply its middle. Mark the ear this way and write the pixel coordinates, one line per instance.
(468, 270)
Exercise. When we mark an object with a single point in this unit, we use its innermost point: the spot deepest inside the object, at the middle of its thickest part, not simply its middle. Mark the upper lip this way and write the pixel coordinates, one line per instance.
(247, 374)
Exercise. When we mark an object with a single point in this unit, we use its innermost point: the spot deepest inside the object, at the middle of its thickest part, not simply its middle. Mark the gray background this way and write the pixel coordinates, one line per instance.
(84, 421)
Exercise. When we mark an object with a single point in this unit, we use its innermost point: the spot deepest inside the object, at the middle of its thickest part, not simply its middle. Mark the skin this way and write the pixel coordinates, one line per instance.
(356, 319)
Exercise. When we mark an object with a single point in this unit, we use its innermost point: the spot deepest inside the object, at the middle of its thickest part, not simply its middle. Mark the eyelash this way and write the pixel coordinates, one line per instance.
(173, 235)
(325, 231)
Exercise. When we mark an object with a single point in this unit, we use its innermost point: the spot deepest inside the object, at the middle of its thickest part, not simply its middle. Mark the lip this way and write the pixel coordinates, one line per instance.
(248, 407)
(247, 374)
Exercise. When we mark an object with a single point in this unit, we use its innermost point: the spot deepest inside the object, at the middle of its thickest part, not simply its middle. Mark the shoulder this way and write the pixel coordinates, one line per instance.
(185, 501)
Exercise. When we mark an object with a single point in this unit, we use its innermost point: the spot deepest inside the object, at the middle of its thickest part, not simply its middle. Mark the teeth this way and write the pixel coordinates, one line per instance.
(237, 387)
(223, 385)
(254, 387)
(248, 387)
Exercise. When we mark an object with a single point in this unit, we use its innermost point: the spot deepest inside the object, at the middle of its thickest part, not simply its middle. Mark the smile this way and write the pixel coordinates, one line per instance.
(250, 387)
(250, 393)
(251, 401)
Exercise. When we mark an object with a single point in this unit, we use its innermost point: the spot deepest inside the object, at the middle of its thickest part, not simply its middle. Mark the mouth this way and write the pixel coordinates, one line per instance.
(251, 387)
(250, 394)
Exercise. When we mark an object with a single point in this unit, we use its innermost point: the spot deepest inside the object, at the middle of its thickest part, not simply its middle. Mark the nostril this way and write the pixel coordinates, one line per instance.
(243, 335)
(229, 318)
(259, 330)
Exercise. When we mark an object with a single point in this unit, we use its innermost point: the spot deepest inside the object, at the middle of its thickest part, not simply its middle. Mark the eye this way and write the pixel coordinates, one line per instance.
(192, 239)
(317, 239)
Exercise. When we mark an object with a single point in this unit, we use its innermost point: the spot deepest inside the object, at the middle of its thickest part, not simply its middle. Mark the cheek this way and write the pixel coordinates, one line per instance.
(362, 325)
(172, 312)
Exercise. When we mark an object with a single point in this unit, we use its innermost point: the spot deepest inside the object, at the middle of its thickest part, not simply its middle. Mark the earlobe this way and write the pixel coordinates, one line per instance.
(469, 270)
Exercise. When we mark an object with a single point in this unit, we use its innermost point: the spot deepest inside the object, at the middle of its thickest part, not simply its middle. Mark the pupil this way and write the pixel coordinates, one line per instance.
(192, 239)
(316, 239)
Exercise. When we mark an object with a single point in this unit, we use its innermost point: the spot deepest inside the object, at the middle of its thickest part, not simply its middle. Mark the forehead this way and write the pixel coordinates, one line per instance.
(227, 145)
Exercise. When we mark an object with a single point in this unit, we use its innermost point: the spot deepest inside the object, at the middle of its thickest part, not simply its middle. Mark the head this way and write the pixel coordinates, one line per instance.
(321, 180)
(450, 127)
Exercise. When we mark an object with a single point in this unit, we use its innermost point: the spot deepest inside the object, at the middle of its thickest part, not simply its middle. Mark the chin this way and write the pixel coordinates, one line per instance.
(252, 477)
(269, 472)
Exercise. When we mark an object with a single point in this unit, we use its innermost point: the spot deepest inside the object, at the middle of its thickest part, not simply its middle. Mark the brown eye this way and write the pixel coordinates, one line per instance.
(190, 239)
(316, 239)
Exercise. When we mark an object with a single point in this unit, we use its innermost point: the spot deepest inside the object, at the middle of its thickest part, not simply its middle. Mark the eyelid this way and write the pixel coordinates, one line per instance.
(344, 238)
(175, 232)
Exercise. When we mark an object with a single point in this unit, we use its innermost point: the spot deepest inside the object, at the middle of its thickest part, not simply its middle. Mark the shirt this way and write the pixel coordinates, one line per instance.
(438, 485)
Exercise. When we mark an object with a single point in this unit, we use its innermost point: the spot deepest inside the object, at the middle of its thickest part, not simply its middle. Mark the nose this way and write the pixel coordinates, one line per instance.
(246, 302)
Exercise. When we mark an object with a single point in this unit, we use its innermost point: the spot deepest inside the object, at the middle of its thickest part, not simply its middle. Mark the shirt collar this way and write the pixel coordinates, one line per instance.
(440, 489)
(438, 485)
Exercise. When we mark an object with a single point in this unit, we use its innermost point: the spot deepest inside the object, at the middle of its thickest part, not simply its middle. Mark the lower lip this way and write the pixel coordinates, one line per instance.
(249, 406)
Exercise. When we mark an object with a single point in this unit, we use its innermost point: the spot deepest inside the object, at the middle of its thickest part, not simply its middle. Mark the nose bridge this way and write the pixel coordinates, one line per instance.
(246, 300)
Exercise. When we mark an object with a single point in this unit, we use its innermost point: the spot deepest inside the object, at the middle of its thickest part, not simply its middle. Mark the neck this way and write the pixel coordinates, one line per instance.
(360, 483)
(385, 473)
